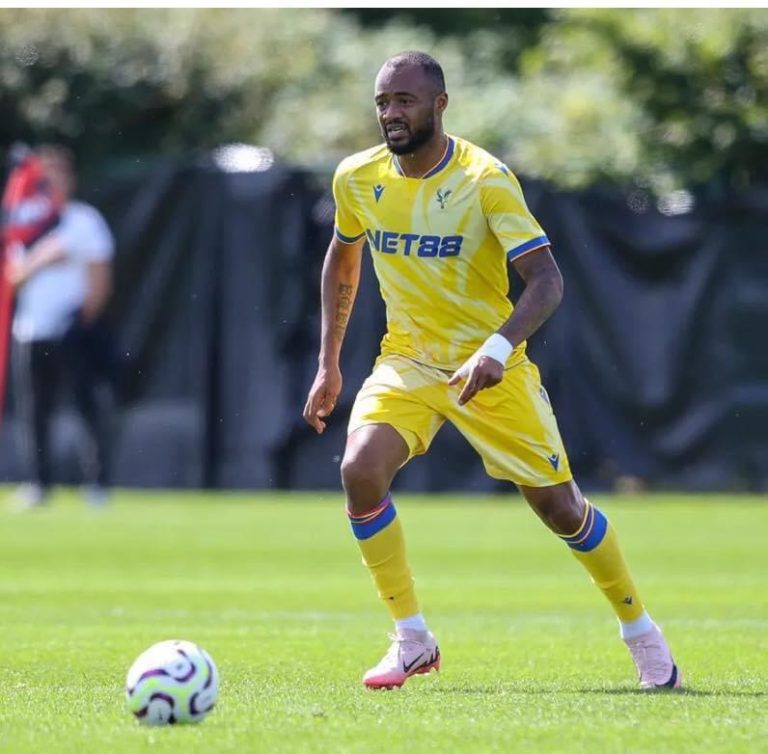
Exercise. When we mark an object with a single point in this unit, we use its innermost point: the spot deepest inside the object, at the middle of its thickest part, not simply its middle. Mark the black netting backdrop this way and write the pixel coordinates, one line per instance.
(656, 362)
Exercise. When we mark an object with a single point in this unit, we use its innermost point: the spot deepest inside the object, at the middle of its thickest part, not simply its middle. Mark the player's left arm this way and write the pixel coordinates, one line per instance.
(541, 296)
(527, 248)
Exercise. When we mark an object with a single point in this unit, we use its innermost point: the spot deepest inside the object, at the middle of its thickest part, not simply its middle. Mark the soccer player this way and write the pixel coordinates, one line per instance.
(442, 219)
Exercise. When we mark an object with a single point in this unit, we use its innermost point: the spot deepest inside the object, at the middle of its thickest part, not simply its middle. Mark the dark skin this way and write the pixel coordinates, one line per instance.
(410, 112)
(409, 109)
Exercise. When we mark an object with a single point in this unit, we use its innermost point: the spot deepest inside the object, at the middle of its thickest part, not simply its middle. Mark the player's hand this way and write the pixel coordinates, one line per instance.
(16, 271)
(322, 397)
(480, 372)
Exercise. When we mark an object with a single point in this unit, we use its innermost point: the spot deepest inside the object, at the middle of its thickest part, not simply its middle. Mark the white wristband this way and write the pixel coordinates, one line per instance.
(497, 347)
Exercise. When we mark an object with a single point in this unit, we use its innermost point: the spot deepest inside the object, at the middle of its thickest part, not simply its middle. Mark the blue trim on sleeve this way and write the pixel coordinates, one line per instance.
(367, 530)
(534, 243)
(347, 239)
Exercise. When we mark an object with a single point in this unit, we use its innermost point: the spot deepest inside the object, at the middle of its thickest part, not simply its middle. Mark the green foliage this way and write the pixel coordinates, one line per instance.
(658, 97)
(694, 83)
(459, 21)
(518, 27)
(272, 586)
(114, 82)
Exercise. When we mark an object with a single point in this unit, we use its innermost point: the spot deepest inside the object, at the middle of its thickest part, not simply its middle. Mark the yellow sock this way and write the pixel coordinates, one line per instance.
(596, 546)
(380, 537)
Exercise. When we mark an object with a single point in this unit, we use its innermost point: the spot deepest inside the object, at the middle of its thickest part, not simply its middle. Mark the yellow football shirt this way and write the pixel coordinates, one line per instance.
(440, 246)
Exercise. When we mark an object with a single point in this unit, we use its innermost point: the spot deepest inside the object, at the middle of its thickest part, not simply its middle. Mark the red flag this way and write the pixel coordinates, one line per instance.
(29, 210)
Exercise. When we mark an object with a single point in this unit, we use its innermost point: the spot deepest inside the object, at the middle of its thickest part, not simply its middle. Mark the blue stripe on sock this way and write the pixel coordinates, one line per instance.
(588, 523)
(368, 529)
(595, 537)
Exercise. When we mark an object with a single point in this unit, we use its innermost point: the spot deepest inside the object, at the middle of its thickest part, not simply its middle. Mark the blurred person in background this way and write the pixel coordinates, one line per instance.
(62, 282)
(443, 219)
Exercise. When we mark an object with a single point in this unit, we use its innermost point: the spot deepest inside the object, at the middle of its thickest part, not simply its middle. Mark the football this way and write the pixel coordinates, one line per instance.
(172, 682)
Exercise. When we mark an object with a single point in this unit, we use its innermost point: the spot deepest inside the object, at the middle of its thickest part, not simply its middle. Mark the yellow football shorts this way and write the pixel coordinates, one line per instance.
(512, 425)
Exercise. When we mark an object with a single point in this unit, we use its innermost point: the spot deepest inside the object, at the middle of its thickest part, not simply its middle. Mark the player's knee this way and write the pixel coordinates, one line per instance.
(357, 471)
(365, 481)
(561, 508)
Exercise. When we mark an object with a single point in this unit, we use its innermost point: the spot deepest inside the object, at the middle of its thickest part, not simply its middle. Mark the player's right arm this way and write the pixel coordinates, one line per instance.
(341, 277)
(340, 281)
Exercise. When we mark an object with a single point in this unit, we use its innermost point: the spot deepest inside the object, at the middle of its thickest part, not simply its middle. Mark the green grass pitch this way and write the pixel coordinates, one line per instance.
(272, 586)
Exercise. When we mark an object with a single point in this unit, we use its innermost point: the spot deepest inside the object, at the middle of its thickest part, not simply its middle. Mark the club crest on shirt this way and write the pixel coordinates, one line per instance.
(442, 197)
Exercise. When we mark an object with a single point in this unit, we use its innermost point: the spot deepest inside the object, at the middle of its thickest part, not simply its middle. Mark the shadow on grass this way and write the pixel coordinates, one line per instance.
(676, 692)
(621, 691)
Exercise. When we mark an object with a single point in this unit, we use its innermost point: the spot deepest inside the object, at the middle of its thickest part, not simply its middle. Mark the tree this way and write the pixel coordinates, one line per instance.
(695, 79)
(657, 97)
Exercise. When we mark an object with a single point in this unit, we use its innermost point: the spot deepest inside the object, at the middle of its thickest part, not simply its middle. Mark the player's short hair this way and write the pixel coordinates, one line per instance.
(427, 63)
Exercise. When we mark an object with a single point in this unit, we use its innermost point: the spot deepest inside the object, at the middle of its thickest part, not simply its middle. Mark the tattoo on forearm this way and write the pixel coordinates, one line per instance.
(343, 309)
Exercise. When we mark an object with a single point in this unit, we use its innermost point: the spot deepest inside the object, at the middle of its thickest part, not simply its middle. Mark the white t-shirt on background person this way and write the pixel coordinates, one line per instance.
(48, 301)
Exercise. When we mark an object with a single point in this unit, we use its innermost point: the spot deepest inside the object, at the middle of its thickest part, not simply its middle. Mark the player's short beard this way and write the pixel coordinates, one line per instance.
(418, 138)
